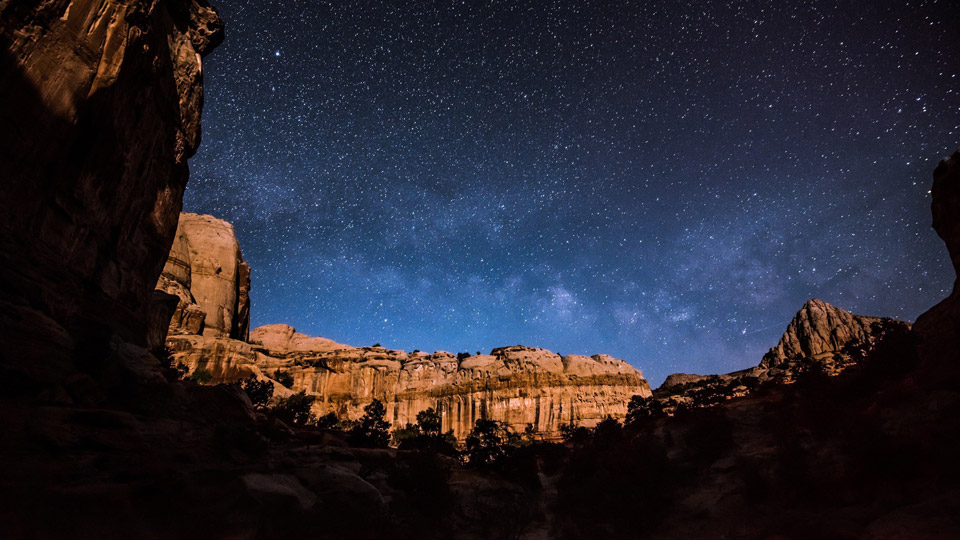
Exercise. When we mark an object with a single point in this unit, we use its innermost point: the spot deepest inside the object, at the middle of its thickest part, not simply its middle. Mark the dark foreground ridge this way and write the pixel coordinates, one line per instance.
(100, 441)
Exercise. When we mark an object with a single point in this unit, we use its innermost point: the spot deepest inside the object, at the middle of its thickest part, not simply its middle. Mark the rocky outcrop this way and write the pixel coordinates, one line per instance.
(818, 330)
(515, 385)
(938, 329)
(678, 379)
(817, 336)
(100, 112)
(206, 272)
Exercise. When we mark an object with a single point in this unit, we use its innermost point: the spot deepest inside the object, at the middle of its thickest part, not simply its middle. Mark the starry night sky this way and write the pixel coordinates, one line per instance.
(665, 182)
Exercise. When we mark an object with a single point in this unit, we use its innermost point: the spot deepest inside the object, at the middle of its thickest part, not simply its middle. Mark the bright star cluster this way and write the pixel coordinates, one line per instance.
(665, 182)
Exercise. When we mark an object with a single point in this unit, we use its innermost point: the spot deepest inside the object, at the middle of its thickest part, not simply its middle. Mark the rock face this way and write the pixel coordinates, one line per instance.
(938, 329)
(818, 329)
(100, 112)
(816, 336)
(515, 385)
(206, 272)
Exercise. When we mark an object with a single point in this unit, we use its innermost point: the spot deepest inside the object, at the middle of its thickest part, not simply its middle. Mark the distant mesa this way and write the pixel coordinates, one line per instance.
(516, 385)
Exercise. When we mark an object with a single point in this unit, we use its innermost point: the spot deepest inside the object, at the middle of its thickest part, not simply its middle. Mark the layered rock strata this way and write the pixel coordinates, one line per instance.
(100, 112)
(517, 385)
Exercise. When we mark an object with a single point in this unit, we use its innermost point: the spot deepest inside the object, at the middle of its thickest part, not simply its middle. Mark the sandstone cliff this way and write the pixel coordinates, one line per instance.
(938, 329)
(515, 385)
(100, 111)
(818, 330)
(816, 336)
(207, 274)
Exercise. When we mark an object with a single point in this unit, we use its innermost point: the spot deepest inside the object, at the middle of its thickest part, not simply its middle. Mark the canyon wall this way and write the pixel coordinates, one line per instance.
(100, 112)
(515, 385)
(518, 385)
(938, 329)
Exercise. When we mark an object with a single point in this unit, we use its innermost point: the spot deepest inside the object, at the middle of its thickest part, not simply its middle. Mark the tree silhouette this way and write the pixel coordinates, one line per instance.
(295, 409)
(259, 392)
(372, 431)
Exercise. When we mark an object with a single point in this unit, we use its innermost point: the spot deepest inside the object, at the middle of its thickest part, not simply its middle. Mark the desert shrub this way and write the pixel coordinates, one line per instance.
(608, 432)
(328, 421)
(283, 378)
(295, 409)
(258, 391)
(429, 422)
(462, 356)
(372, 430)
(426, 435)
(201, 375)
(487, 445)
(574, 434)
(643, 409)
(404, 433)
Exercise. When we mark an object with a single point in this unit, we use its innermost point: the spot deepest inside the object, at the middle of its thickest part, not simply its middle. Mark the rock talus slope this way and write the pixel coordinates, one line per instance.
(100, 110)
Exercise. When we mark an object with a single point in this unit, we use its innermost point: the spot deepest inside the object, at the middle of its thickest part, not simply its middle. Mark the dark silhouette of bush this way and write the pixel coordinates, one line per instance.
(487, 444)
(426, 435)
(404, 433)
(328, 421)
(295, 410)
(575, 435)
(372, 431)
(462, 356)
(201, 375)
(643, 409)
(258, 391)
(283, 378)
(608, 432)
(429, 422)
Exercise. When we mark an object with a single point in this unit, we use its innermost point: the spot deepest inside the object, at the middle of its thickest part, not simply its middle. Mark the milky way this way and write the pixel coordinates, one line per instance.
(663, 182)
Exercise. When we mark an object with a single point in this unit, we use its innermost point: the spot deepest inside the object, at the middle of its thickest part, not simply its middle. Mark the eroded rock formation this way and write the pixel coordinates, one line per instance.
(818, 330)
(938, 329)
(516, 385)
(207, 274)
(100, 110)
(817, 336)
